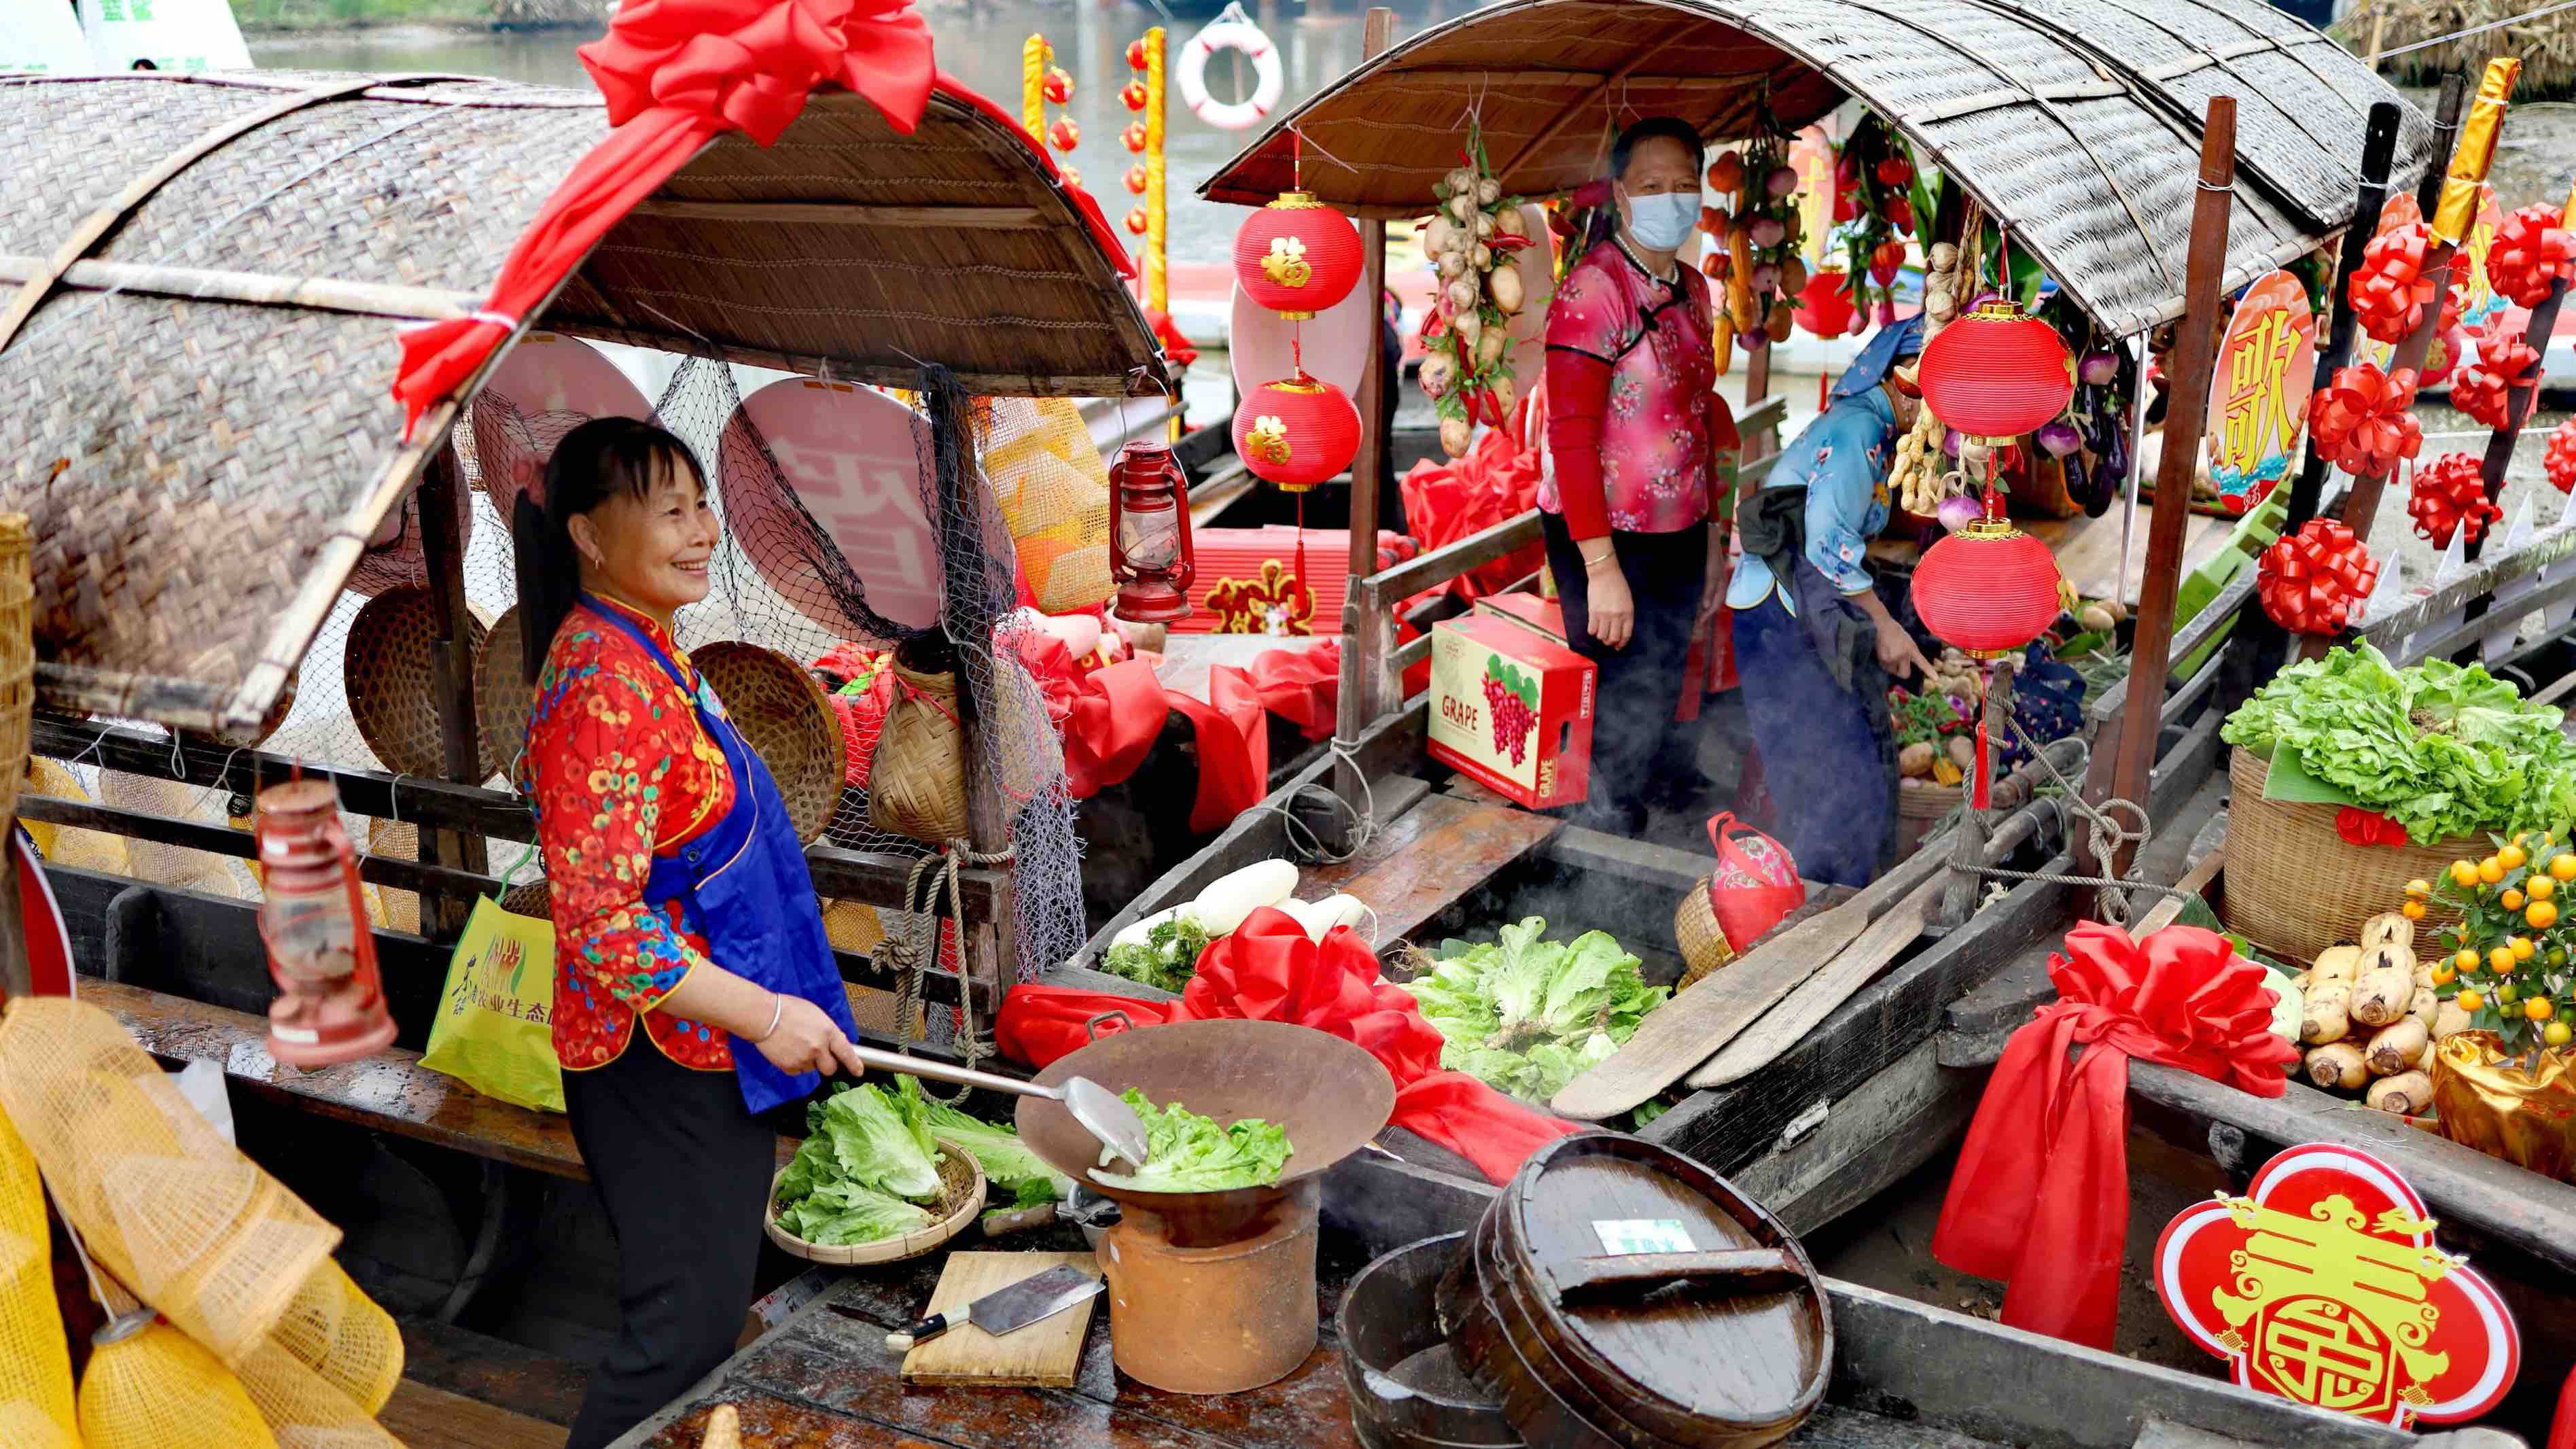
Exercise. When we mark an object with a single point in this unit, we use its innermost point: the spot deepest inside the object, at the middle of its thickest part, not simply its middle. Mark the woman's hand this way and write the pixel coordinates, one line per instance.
(805, 1040)
(1611, 615)
(1897, 653)
(1712, 593)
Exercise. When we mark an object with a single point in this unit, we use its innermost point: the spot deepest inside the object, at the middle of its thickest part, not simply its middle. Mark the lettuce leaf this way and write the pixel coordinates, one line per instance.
(1185, 1152)
(874, 1145)
(1008, 1163)
(847, 1212)
(1527, 1015)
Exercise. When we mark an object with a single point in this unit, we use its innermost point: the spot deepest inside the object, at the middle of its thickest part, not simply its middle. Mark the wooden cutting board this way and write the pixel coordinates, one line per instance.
(1858, 965)
(1045, 1354)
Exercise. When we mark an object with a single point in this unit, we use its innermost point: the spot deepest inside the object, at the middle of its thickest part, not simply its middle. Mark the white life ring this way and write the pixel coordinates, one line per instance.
(1268, 81)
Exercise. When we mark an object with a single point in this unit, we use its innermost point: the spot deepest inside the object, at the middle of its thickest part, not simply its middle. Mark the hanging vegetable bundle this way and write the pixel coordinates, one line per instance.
(1470, 239)
(1875, 182)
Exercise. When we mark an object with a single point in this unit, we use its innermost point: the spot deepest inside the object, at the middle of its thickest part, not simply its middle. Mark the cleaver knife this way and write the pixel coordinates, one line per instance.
(1006, 1309)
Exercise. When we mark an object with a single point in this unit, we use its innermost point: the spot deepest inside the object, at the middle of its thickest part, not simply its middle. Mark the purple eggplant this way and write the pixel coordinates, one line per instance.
(2114, 463)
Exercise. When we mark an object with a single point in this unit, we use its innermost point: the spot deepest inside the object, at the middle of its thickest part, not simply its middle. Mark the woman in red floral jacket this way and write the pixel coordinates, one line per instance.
(686, 928)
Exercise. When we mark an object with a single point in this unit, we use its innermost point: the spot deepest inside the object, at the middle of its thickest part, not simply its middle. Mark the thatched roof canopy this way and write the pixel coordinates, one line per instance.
(2076, 121)
(197, 413)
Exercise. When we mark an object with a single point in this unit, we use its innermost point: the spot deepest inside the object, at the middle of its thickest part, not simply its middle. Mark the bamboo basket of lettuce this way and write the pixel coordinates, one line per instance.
(2451, 756)
(888, 1174)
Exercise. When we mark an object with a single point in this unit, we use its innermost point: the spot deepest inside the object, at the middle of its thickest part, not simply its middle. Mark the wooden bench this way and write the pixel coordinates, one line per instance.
(1428, 858)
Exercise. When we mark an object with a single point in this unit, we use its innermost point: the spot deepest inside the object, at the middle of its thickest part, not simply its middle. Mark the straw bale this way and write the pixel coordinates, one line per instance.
(197, 417)
(2077, 121)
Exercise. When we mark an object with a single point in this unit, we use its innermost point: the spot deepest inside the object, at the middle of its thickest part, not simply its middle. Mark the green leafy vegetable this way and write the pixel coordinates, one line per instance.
(1185, 1152)
(2440, 749)
(1167, 960)
(859, 1175)
(1008, 1163)
(1528, 1015)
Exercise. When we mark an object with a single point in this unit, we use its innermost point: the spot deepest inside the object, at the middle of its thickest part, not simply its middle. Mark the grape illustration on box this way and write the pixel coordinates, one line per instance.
(1513, 698)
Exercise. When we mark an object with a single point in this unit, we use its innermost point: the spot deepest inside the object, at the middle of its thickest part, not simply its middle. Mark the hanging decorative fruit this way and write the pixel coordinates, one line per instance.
(2313, 581)
(1297, 256)
(1136, 54)
(1296, 432)
(2532, 250)
(1136, 220)
(2449, 495)
(1063, 134)
(2363, 420)
(1132, 95)
(1997, 373)
(1136, 178)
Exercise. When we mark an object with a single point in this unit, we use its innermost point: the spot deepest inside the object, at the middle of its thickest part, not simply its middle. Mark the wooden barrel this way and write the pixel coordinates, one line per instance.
(1406, 1389)
(1549, 1308)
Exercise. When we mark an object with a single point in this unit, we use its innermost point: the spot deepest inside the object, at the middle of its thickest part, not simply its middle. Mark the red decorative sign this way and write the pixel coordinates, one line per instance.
(2323, 1285)
(2258, 392)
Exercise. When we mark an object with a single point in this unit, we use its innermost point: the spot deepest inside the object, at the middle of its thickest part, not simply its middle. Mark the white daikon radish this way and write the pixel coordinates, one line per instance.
(1320, 917)
(1222, 906)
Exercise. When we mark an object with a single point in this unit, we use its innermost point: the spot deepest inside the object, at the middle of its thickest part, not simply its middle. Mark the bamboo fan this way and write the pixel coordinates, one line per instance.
(387, 670)
(503, 698)
(786, 720)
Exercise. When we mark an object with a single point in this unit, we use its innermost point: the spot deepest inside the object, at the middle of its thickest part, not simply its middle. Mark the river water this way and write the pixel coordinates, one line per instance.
(979, 44)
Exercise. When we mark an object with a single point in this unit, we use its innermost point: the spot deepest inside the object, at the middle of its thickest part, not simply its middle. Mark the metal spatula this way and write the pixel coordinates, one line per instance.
(1100, 1111)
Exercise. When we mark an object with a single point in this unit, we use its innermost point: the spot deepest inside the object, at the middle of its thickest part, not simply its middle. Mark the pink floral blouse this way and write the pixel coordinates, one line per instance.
(1662, 427)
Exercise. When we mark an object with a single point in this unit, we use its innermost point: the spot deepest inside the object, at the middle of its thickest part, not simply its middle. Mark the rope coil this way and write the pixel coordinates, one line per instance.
(1302, 838)
(909, 950)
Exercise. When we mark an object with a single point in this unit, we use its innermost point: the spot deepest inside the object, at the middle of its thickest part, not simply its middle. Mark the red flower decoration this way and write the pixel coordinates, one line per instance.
(2362, 420)
(2368, 827)
(2389, 288)
(2449, 494)
(2311, 581)
(2532, 250)
(2561, 458)
(2505, 362)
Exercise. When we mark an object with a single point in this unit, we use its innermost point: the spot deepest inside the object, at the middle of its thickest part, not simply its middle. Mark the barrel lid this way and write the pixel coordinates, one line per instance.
(1670, 1302)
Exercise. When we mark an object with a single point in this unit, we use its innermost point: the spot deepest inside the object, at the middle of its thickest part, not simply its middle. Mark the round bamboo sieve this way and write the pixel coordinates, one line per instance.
(386, 669)
(503, 698)
(786, 720)
(1918, 810)
(2294, 887)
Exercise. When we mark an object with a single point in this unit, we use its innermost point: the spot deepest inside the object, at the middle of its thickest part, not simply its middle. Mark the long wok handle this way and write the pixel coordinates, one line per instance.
(937, 1071)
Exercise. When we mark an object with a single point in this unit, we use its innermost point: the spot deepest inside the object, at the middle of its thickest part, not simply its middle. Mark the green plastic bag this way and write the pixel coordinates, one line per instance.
(493, 1030)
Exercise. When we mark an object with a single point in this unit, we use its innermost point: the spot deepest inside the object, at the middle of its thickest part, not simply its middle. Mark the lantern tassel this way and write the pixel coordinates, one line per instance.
(1978, 796)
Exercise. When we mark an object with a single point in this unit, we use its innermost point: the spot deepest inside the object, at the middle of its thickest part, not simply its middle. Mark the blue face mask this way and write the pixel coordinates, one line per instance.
(1661, 223)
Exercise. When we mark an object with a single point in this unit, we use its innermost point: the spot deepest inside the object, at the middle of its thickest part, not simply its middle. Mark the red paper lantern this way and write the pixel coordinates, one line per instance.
(1136, 221)
(1296, 432)
(2313, 580)
(2532, 251)
(1058, 86)
(1133, 138)
(1136, 178)
(1297, 256)
(1136, 55)
(1988, 589)
(1996, 374)
(1825, 304)
(1064, 135)
(1149, 534)
(2451, 494)
(2561, 458)
(1133, 95)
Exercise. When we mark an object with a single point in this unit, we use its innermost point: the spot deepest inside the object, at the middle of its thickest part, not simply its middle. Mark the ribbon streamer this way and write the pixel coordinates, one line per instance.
(2363, 421)
(2312, 581)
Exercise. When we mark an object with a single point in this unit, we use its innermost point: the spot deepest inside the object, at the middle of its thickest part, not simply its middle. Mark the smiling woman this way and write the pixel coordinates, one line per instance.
(680, 898)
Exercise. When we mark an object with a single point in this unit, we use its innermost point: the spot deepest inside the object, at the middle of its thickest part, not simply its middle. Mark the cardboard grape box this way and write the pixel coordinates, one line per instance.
(1547, 616)
(1512, 709)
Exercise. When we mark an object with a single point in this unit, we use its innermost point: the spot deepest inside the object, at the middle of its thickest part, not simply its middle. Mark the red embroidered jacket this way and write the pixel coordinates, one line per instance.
(620, 771)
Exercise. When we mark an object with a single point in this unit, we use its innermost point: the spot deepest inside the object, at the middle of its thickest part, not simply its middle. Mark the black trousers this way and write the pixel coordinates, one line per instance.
(1637, 688)
(683, 1170)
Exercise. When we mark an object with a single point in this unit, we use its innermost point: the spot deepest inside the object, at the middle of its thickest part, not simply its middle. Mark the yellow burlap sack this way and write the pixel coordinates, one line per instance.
(1054, 492)
(35, 1362)
(304, 1409)
(165, 1205)
(157, 1388)
(341, 1334)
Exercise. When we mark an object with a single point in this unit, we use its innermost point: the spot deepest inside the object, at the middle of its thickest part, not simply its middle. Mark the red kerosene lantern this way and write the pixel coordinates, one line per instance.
(1297, 256)
(331, 1002)
(1149, 534)
(1296, 432)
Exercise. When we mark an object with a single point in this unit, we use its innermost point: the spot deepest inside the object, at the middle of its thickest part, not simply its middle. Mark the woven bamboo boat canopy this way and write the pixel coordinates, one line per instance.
(2076, 121)
(197, 414)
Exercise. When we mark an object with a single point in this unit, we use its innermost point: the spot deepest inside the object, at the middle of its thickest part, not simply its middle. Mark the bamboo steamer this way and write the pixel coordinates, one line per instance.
(2294, 887)
(1548, 1309)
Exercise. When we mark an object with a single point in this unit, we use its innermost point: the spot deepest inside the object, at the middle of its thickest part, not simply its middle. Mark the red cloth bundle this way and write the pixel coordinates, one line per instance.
(2041, 1195)
(1446, 501)
(2311, 581)
(677, 74)
(2363, 420)
(2560, 461)
(1301, 686)
(2505, 362)
(2533, 250)
(1268, 970)
(2450, 493)
(2368, 827)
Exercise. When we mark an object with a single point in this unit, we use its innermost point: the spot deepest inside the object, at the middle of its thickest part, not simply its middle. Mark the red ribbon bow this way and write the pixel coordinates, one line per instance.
(2505, 362)
(2450, 493)
(2363, 419)
(1268, 970)
(2368, 827)
(676, 74)
(2389, 288)
(2533, 250)
(2311, 581)
(2560, 460)
(2041, 1195)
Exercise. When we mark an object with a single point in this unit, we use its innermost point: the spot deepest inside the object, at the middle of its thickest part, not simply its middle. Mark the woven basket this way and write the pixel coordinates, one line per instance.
(917, 785)
(961, 1197)
(503, 698)
(2294, 887)
(1918, 810)
(1704, 944)
(17, 657)
(386, 670)
(532, 900)
(785, 719)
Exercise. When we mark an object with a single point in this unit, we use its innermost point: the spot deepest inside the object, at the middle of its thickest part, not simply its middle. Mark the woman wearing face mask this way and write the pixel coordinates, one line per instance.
(694, 986)
(1640, 449)
(1814, 644)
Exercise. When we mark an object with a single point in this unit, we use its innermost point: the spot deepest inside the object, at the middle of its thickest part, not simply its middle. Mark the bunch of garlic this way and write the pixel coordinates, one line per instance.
(1466, 367)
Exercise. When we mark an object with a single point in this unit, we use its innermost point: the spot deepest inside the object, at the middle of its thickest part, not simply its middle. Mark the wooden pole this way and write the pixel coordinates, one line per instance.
(2185, 417)
(2261, 644)
(451, 679)
(1365, 640)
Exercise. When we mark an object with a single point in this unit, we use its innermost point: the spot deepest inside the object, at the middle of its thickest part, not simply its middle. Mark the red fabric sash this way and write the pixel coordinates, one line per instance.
(1269, 971)
(2041, 1195)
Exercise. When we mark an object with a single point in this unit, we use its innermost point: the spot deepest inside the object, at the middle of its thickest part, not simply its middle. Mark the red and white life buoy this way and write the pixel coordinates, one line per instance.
(1230, 33)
